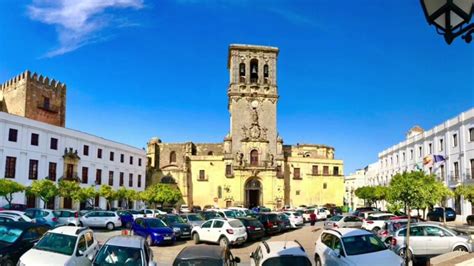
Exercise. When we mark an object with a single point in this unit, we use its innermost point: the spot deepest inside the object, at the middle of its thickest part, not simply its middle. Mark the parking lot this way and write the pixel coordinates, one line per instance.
(164, 255)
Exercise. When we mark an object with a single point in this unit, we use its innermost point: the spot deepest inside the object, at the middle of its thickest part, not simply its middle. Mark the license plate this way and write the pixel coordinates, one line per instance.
(167, 237)
(450, 214)
(274, 226)
(240, 238)
(185, 233)
(258, 229)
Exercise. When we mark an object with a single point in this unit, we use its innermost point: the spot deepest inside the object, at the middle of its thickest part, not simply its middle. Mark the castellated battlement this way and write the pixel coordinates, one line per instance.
(35, 78)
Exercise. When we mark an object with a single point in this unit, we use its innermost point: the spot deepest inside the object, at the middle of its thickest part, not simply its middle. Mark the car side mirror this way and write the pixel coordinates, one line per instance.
(90, 257)
(337, 252)
(236, 259)
(251, 255)
(80, 253)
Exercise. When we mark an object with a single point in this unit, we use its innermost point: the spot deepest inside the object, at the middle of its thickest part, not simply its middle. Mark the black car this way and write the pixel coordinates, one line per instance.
(180, 227)
(196, 209)
(205, 255)
(270, 222)
(17, 238)
(470, 220)
(283, 222)
(254, 227)
(437, 214)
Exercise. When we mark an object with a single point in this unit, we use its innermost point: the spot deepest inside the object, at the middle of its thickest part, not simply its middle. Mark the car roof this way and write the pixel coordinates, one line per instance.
(378, 214)
(69, 210)
(199, 252)
(126, 241)
(347, 232)
(21, 225)
(68, 230)
(281, 248)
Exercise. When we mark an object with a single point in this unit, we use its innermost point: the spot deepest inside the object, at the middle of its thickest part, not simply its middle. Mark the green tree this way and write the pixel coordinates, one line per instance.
(108, 193)
(43, 189)
(8, 188)
(85, 194)
(466, 191)
(67, 188)
(366, 193)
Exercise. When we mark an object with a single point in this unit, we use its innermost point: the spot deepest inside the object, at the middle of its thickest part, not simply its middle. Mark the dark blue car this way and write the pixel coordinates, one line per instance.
(154, 230)
(126, 218)
(437, 214)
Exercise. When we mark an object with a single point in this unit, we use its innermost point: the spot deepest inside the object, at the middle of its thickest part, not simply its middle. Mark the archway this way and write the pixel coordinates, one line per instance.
(253, 193)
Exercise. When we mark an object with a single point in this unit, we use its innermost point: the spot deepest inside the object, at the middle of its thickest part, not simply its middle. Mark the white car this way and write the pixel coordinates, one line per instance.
(376, 221)
(320, 214)
(225, 232)
(184, 209)
(18, 214)
(295, 218)
(243, 212)
(107, 219)
(150, 213)
(357, 247)
(65, 245)
(279, 253)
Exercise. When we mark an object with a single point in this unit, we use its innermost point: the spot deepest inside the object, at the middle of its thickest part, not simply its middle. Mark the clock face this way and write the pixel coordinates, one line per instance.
(255, 104)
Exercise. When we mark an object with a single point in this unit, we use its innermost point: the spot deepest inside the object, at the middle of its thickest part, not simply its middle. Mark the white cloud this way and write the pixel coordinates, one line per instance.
(77, 22)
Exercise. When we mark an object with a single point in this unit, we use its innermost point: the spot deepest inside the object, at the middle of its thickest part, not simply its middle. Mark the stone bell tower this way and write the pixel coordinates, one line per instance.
(253, 96)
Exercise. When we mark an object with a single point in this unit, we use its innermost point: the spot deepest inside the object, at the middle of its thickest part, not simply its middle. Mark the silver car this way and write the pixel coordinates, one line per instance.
(343, 221)
(125, 250)
(193, 219)
(427, 240)
(107, 219)
(67, 217)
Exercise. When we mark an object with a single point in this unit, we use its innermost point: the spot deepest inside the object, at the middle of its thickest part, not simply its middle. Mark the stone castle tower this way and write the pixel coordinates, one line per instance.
(35, 97)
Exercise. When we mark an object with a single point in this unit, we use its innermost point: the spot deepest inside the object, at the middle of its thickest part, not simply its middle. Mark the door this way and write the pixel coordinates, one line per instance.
(216, 231)
(80, 257)
(67, 203)
(92, 245)
(138, 227)
(205, 232)
(417, 240)
(438, 241)
(90, 219)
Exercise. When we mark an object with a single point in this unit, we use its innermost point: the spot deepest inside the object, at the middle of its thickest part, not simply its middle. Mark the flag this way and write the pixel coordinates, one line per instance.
(438, 158)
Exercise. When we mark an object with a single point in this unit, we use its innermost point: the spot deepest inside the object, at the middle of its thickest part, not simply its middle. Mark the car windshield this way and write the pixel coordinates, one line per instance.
(195, 218)
(155, 223)
(198, 262)
(8, 234)
(135, 212)
(115, 255)
(335, 218)
(265, 210)
(57, 243)
(230, 214)
(175, 219)
(287, 260)
(236, 224)
(272, 218)
(356, 245)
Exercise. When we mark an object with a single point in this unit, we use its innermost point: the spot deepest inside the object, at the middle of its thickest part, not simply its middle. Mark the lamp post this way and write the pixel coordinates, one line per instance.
(450, 17)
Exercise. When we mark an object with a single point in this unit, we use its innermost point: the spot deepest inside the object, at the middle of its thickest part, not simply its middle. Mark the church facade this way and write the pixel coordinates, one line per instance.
(252, 166)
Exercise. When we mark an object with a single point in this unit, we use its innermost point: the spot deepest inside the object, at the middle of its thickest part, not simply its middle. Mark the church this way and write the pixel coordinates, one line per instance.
(252, 166)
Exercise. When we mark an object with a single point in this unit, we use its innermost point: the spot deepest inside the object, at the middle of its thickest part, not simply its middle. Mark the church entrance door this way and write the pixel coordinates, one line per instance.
(253, 193)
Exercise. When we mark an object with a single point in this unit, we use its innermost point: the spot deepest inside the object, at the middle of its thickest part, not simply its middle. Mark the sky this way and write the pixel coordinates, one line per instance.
(355, 75)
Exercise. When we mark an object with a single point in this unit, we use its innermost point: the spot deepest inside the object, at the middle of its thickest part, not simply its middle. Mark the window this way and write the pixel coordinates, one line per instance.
(13, 135)
(85, 150)
(279, 171)
(99, 153)
(89, 239)
(411, 154)
(456, 170)
(173, 157)
(472, 168)
(139, 180)
(403, 156)
(219, 192)
(52, 171)
(111, 178)
(202, 175)
(33, 170)
(131, 159)
(325, 170)
(420, 151)
(111, 156)
(81, 245)
(253, 71)
(34, 139)
(46, 103)
(228, 170)
(69, 171)
(441, 145)
(210, 153)
(242, 72)
(130, 180)
(325, 185)
(442, 171)
(296, 173)
(122, 158)
(254, 158)
(336, 170)
(10, 167)
(139, 161)
(265, 71)
(455, 140)
(206, 224)
(297, 192)
(98, 177)
(218, 224)
(53, 144)
(471, 134)
(121, 179)
(430, 150)
(315, 170)
(85, 175)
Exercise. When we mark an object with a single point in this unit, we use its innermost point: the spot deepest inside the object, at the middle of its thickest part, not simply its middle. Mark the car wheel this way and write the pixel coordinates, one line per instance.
(401, 253)
(110, 226)
(149, 241)
(80, 224)
(376, 229)
(223, 242)
(317, 259)
(9, 262)
(460, 248)
(196, 238)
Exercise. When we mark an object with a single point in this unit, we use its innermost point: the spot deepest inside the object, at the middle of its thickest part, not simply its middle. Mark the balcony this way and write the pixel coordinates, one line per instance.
(203, 178)
(262, 165)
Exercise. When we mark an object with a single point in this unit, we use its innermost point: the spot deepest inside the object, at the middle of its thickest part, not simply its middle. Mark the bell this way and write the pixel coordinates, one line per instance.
(254, 69)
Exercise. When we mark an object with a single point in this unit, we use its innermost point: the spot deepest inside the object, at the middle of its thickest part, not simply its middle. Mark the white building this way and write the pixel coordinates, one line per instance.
(453, 139)
(32, 150)
(352, 182)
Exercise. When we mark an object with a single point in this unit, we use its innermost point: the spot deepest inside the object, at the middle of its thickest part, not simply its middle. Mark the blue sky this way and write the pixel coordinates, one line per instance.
(354, 75)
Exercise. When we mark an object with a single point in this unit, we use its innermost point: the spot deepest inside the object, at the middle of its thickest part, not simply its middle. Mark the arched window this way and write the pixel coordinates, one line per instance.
(242, 72)
(254, 157)
(265, 73)
(210, 153)
(173, 157)
(253, 71)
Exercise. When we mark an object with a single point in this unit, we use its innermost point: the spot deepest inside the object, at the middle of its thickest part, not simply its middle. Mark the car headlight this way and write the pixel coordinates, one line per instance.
(20, 263)
(176, 229)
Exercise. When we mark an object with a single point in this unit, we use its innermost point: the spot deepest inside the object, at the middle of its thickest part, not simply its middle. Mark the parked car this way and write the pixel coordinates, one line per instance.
(335, 211)
(18, 214)
(296, 220)
(364, 209)
(270, 222)
(17, 238)
(179, 226)
(151, 212)
(136, 214)
(64, 245)
(224, 232)
(470, 220)
(107, 219)
(428, 240)
(343, 221)
(5, 218)
(154, 230)
(254, 227)
(259, 209)
(184, 209)
(437, 214)
(193, 219)
(243, 212)
(283, 222)
(391, 226)
(205, 255)
(349, 246)
(126, 218)
(196, 209)
(43, 216)
(228, 214)
(125, 250)
(14, 207)
(375, 222)
(210, 215)
(279, 253)
(67, 217)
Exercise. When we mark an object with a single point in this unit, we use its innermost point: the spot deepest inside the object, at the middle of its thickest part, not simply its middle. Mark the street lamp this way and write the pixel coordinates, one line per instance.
(450, 17)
